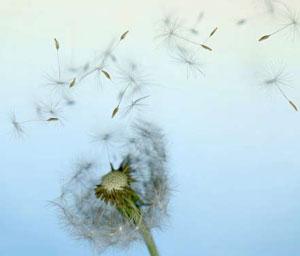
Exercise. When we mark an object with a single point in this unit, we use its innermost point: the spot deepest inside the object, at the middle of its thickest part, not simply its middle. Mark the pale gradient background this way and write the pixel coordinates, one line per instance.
(234, 148)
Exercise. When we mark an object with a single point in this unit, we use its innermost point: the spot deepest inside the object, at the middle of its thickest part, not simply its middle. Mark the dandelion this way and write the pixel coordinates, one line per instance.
(136, 104)
(172, 32)
(278, 78)
(292, 23)
(190, 60)
(113, 208)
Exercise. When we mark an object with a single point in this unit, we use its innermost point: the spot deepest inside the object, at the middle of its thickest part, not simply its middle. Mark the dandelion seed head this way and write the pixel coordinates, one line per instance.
(114, 181)
(87, 206)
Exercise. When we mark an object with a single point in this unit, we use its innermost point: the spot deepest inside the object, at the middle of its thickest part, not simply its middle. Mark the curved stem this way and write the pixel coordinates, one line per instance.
(131, 211)
(148, 239)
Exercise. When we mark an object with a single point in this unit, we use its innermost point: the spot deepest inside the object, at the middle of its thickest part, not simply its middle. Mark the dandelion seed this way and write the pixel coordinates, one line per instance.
(171, 28)
(135, 104)
(203, 45)
(277, 78)
(264, 38)
(56, 44)
(206, 47)
(293, 105)
(189, 59)
(50, 110)
(58, 85)
(124, 35)
(291, 23)
(115, 111)
(213, 32)
(171, 32)
(51, 119)
(101, 62)
(17, 126)
(107, 75)
(134, 78)
(72, 83)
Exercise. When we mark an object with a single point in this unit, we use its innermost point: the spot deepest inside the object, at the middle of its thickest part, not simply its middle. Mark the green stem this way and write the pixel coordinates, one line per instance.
(148, 239)
(132, 212)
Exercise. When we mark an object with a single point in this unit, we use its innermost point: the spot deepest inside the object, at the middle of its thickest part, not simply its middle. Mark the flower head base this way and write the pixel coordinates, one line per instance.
(115, 189)
(115, 180)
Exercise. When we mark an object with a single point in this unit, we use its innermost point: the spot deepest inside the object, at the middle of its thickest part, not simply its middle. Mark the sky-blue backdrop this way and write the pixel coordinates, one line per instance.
(234, 147)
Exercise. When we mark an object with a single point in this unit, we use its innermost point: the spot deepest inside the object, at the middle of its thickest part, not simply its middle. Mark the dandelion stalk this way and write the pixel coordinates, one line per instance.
(148, 239)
